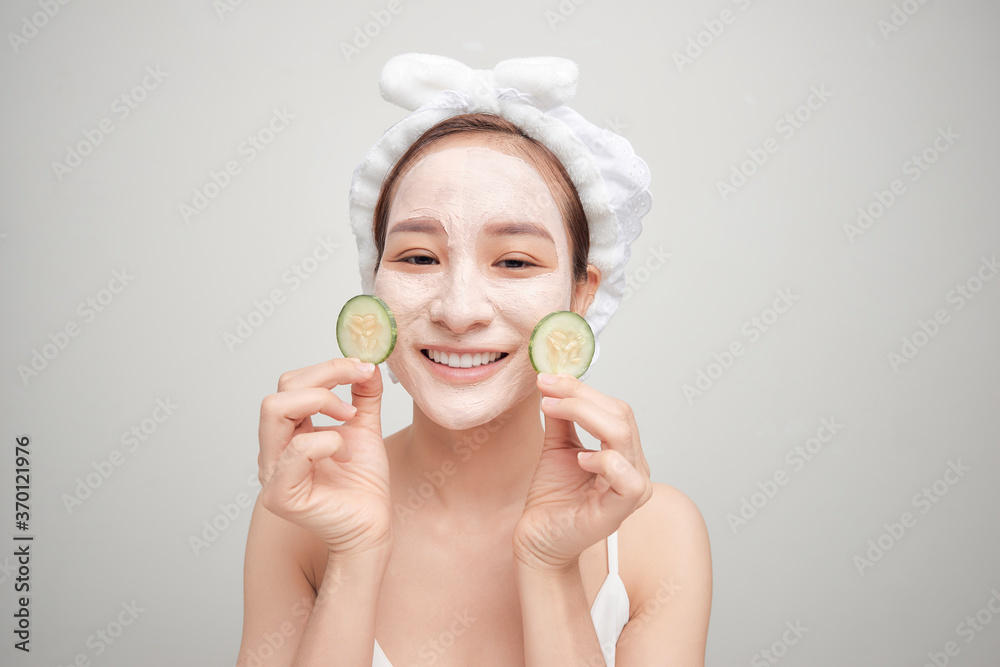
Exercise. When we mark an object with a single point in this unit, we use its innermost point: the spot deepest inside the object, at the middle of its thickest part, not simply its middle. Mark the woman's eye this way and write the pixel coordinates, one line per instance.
(418, 257)
(518, 263)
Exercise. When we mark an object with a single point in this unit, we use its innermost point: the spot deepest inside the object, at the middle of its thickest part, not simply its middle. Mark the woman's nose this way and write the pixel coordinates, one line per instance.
(462, 303)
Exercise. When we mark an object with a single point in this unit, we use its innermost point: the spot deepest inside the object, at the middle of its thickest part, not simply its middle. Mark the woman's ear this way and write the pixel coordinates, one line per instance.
(585, 292)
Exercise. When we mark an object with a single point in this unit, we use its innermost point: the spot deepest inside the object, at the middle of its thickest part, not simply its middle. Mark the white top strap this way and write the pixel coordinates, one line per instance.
(613, 553)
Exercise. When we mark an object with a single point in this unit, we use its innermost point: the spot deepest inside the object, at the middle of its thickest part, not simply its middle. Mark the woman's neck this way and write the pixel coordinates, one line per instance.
(480, 472)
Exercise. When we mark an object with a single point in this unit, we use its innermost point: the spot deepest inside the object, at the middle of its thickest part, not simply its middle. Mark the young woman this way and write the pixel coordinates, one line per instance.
(481, 534)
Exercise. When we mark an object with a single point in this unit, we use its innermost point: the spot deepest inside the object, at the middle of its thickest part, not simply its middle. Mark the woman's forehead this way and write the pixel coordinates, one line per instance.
(463, 161)
(474, 176)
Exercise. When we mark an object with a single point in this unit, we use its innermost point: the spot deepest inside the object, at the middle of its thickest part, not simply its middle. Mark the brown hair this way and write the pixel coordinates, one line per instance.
(500, 134)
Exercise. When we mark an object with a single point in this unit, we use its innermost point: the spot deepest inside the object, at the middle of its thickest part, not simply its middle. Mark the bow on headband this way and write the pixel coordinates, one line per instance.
(411, 80)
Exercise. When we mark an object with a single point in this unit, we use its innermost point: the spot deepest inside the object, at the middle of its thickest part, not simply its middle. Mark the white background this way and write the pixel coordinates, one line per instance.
(62, 235)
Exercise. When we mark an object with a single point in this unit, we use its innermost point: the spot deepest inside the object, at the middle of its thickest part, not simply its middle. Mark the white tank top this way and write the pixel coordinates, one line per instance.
(609, 611)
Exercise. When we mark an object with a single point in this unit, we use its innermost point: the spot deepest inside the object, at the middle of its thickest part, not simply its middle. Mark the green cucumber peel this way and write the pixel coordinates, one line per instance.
(366, 329)
(562, 342)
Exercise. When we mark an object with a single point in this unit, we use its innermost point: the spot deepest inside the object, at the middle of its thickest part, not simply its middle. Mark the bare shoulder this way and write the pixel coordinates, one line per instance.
(666, 566)
(666, 536)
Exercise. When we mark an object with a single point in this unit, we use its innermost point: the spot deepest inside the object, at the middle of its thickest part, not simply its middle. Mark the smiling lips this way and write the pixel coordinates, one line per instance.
(464, 360)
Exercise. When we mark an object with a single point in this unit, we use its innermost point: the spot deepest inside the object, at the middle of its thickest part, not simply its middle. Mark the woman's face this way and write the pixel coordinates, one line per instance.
(475, 255)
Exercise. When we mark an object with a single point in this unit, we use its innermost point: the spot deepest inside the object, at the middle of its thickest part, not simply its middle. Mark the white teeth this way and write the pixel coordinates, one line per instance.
(467, 360)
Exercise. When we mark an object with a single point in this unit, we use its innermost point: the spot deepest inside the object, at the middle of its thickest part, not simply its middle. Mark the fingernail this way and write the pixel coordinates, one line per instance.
(583, 456)
(550, 400)
(547, 378)
(366, 367)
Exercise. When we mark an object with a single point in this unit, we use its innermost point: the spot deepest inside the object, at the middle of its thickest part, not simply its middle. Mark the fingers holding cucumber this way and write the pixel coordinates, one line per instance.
(331, 480)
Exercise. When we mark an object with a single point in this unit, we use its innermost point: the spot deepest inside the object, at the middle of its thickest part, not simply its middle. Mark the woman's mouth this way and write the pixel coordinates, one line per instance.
(465, 360)
(467, 367)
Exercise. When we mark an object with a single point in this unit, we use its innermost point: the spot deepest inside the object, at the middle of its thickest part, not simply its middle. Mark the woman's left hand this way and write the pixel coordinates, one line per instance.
(573, 503)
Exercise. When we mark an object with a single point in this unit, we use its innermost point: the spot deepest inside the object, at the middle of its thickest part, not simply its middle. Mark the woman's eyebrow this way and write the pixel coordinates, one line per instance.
(515, 228)
(420, 225)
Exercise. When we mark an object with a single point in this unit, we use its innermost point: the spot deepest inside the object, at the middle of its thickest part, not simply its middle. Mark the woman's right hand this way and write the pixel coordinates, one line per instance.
(331, 480)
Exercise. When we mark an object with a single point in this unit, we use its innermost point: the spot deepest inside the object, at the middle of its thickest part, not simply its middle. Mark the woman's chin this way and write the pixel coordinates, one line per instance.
(448, 422)
(463, 410)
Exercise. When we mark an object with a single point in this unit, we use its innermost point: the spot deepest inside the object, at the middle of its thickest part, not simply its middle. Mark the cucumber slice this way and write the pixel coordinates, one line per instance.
(562, 342)
(366, 329)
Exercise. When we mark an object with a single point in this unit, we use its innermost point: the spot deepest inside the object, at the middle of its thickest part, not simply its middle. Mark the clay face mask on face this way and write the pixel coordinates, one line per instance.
(476, 254)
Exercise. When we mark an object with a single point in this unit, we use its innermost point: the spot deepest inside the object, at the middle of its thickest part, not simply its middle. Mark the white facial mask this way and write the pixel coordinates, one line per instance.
(471, 296)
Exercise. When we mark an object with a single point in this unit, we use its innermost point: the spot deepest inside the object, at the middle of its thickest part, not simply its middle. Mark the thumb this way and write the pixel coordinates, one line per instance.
(366, 396)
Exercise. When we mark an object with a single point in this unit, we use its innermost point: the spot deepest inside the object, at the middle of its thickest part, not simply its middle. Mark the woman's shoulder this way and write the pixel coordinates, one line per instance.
(664, 549)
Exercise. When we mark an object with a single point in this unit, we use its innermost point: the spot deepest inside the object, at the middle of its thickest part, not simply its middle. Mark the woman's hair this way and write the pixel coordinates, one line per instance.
(500, 134)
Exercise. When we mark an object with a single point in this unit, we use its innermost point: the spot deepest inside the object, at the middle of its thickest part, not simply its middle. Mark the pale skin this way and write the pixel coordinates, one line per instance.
(503, 560)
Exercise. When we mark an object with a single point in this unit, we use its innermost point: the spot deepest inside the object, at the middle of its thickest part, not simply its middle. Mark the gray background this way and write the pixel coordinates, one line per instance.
(827, 357)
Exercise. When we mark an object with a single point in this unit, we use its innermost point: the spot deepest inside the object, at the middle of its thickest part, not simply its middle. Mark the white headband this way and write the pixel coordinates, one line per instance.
(612, 181)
